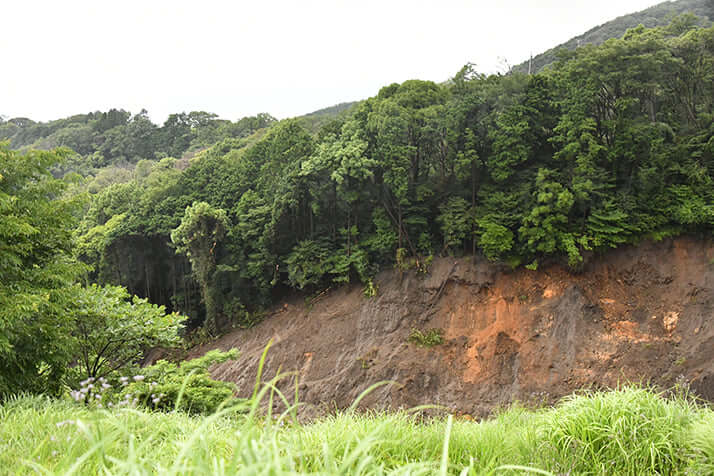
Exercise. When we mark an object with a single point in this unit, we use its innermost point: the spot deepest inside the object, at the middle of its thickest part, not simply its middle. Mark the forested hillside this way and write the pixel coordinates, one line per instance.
(612, 144)
(108, 144)
(658, 15)
(448, 248)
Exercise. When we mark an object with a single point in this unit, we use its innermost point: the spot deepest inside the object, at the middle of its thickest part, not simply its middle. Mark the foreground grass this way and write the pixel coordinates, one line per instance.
(625, 432)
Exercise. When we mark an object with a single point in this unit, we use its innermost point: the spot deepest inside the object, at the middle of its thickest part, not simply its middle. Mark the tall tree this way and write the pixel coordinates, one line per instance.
(198, 237)
(37, 273)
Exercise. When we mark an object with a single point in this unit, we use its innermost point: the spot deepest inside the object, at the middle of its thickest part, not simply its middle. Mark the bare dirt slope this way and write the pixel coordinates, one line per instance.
(642, 313)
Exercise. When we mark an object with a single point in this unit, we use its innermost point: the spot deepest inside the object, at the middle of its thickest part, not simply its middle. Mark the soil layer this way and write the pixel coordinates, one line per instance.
(636, 314)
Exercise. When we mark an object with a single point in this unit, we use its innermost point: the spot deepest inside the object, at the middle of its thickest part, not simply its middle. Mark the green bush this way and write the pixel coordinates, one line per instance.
(428, 338)
(187, 386)
(495, 240)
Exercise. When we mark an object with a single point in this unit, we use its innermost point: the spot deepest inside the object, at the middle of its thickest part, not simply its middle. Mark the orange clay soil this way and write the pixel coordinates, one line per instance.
(637, 314)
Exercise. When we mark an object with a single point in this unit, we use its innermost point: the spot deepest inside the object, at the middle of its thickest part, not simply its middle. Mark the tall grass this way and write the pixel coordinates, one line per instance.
(626, 431)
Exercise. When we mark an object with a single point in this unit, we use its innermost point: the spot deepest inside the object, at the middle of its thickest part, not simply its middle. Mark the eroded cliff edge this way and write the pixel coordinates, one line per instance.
(637, 314)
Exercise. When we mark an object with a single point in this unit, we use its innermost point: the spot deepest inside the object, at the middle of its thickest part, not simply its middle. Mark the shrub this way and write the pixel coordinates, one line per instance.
(187, 386)
(429, 338)
(370, 289)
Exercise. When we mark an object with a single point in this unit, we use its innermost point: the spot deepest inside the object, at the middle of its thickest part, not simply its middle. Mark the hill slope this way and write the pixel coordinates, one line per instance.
(658, 15)
(638, 314)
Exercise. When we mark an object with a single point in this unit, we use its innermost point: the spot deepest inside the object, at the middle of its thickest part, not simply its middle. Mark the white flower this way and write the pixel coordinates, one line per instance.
(138, 378)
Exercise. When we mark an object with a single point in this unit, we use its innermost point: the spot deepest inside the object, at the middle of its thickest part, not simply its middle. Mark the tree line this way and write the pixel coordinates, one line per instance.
(612, 144)
(692, 12)
(116, 137)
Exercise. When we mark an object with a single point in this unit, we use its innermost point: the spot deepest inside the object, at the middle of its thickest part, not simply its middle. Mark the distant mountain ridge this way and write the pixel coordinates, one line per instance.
(658, 15)
(313, 121)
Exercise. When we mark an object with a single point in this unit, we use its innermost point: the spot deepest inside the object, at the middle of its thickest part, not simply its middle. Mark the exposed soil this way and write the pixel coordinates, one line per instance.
(636, 314)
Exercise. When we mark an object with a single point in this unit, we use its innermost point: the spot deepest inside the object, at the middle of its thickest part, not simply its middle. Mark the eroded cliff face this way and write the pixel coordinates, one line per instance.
(636, 314)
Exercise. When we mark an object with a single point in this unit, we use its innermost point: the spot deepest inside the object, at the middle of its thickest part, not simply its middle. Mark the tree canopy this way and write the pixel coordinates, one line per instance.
(611, 145)
(49, 323)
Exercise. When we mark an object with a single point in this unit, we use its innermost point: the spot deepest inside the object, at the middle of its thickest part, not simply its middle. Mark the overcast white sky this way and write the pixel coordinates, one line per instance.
(238, 58)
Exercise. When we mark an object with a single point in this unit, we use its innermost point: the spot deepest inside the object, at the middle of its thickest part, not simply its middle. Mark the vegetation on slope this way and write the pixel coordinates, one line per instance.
(699, 12)
(53, 330)
(316, 120)
(118, 139)
(631, 431)
(613, 144)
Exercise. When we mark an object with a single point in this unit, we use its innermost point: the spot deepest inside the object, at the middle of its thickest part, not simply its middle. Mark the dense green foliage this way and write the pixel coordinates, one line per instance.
(51, 328)
(612, 144)
(186, 386)
(216, 219)
(699, 12)
(163, 386)
(198, 235)
(316, 120)
(113, 332)
(118, 137)
(38, 274)
(624, 432)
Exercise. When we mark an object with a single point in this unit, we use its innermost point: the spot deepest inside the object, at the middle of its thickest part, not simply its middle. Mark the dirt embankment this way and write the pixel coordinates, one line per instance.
(642, 313)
